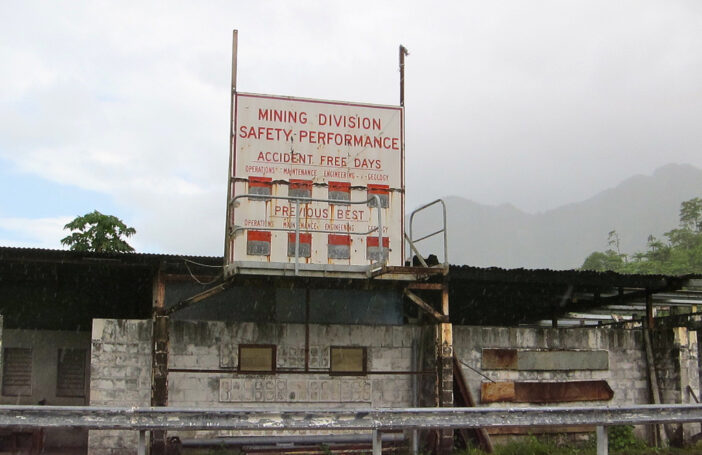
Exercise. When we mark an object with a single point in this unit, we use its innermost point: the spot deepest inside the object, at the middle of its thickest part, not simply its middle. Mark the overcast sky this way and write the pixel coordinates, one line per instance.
(123, 107)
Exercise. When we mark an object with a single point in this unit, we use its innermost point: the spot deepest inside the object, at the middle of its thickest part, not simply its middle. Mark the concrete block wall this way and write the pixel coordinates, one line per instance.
(45, 346)
(120, 375)
(203, 360)
(676, 357)
(627, 373)
(211, 349)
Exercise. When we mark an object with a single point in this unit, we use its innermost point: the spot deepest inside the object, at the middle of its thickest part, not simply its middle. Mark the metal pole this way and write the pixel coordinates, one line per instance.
(235, 46)
(377, 443)
(602, 440)
(141, 450)
(297, 236)
(230, 177)
(403, 52)
(380, 230)
(649, 310)
(413, 433)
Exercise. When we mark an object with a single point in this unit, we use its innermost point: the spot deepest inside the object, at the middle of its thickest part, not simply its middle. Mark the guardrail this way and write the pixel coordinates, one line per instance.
(375, 420)
(413, 241)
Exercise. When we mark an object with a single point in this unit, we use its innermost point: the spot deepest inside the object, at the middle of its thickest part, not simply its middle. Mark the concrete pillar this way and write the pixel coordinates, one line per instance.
(159, 362)
(445, 380)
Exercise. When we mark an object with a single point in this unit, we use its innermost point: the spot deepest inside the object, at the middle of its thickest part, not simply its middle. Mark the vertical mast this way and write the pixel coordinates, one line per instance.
(230, 170)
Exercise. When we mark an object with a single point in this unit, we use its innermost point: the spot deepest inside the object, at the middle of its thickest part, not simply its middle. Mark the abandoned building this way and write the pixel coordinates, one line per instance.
(137, 330)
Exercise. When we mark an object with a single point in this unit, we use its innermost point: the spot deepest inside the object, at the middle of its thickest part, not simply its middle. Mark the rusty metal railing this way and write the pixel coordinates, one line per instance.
(305, 200)
(412, 241)
(375, 420)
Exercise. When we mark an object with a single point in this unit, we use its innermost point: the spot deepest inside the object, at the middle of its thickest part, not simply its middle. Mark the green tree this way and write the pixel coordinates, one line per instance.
(602, 261)
(610, 259)
(97, 232)
(679, 254)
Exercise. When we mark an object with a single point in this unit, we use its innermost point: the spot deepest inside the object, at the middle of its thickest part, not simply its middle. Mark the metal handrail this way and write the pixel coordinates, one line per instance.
(411, 238)
(306, 200)
(376, 419)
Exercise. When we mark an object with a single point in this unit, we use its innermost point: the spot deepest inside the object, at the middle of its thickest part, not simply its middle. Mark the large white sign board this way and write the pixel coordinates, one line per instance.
(284, 146)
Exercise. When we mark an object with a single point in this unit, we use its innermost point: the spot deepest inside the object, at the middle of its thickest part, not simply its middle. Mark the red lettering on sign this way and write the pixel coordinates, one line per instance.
(344, 187)
(333, 161)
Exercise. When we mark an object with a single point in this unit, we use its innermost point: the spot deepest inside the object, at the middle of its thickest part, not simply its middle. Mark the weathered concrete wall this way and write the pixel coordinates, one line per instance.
(675, 354)
(120, 375)
(212, 348)
(45, 348)
(627, 361)
(203, 369)
(676, 357)
(203, 360)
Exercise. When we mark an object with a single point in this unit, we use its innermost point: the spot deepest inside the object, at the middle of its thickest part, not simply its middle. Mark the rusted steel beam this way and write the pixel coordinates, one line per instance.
(425, 306)
(426, 286)
(146, 418)
(445, 381)
(445, 300)
(181, 277)
(463, 397)
(214, 290)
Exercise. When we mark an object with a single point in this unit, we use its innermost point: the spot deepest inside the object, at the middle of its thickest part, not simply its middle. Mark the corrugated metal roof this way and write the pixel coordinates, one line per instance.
(8, 252)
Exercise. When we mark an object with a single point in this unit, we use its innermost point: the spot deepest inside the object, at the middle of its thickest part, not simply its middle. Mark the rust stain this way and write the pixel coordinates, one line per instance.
(546, 392)
(499, 359)
(492, 392)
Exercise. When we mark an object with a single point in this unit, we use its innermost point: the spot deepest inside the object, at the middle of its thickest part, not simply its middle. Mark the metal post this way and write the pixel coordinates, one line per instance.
(415, 366)
(297, 236)
(142, 442)
(230, 177)
(403, 52)
(159, 356)
(602, 441)
(649, 310)
(235, 45)
(377, 443)
(414, 441)
(380, 231)
(652, 381)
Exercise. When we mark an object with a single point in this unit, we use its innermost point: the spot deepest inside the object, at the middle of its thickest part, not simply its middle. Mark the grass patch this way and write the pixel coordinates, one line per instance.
(621, 442)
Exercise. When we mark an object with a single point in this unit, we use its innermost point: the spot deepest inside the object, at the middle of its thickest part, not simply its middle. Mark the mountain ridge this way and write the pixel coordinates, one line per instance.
(561, 238)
